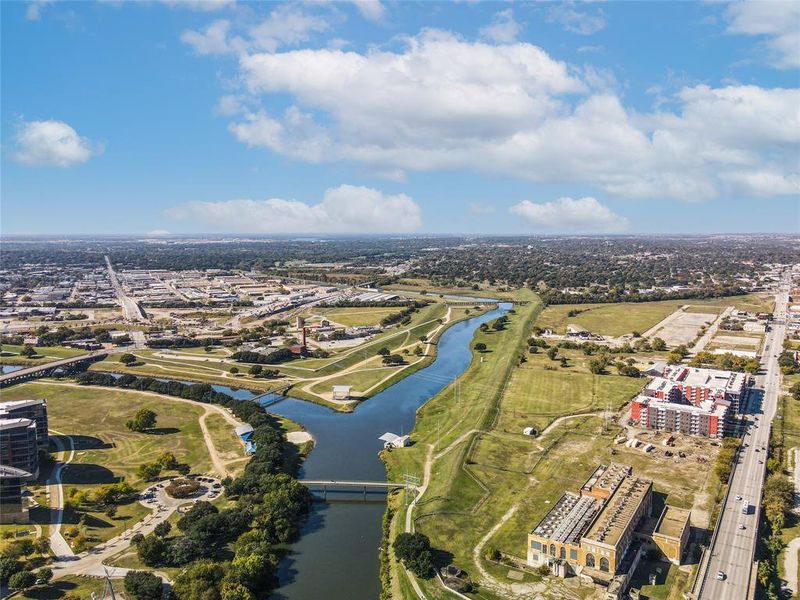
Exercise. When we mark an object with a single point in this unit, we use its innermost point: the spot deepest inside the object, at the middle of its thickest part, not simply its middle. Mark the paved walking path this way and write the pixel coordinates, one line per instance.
(61, 549)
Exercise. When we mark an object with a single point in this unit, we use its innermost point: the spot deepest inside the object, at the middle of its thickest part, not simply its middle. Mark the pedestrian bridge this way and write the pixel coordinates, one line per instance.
(342, 486)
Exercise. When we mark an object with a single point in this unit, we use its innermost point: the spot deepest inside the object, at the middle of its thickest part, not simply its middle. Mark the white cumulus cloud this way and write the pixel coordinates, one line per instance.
(344, 209)
(582, 22)
(372, 10)
(777, 22)
(34, 10)
(581, 215)
(285, 25)
(503, 28)
(51, 143)
(446, 103)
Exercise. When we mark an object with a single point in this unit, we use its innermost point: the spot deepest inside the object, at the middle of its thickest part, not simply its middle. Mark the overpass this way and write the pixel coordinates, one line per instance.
(43, 370)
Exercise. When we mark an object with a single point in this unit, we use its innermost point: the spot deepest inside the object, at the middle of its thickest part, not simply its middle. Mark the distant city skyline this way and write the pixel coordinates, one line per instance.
(367, 117)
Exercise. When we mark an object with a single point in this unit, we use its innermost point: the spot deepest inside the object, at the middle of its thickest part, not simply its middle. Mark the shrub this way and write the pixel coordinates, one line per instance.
(141, 585)
(182, 488)
(22, 580)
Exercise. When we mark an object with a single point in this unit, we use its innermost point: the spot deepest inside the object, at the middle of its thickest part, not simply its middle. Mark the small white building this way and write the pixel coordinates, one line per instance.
(342, 392)
(392, 440)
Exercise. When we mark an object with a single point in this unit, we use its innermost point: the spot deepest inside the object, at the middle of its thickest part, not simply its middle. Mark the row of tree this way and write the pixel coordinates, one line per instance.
(270, 504)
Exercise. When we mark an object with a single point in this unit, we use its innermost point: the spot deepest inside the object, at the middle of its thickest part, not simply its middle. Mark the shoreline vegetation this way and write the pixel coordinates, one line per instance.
(270, 505)
(303, 388)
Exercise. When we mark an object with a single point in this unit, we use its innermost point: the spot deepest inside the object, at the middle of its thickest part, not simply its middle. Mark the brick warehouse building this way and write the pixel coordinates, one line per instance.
(592, 532)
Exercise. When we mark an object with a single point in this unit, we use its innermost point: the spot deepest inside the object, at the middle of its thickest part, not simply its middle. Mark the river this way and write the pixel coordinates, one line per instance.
(337, 555)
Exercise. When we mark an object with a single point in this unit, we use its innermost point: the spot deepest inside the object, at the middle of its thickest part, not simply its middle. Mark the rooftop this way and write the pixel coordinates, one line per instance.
(672, 521)
(14, 404)
(14, 423)
(7, 472)
(569, 518)
(616, 516)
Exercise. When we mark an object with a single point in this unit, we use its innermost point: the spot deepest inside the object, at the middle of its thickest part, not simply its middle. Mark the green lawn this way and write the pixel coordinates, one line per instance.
(11, 354)
(96, 418)
(75, 587)
(106, 451)
(224, 437)
(536, 395)
(356, 316)
(626, 317)
(485, 472)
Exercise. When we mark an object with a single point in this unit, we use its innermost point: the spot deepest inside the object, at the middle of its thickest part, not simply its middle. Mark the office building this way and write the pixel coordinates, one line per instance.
(35, 410)
(18, 445)
(13, 508)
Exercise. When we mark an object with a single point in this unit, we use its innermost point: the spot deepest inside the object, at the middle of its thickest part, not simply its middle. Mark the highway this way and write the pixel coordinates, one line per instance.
(130, 309)
(732, 548)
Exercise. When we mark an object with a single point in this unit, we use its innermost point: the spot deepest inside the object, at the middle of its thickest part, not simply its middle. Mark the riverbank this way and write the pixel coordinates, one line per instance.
(363, 371)
(338, 547)
(446, 428)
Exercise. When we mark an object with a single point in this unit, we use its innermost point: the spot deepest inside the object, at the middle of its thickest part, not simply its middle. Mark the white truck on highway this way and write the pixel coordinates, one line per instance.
(745, 507)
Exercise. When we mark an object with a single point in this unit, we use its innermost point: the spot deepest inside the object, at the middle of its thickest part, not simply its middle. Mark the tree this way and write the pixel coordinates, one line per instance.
(597, 366)
(44, 575)
(22, 580)
(233, 370)
(9, 566)
(255, 370)
(162, 529)
(393, 359)
(149, 471)
(658, 344)
(151, 551)
(384, 352)
(552, 352)
(142, 585)
(414, 549)
(143, 420)
(127, 359)
(480, 347)
(167, 461)
(795, 391)
(28, 351)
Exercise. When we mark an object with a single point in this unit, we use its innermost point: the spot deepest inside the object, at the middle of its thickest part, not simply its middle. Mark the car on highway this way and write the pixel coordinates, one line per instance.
(741, 526)
(721, 575)
(738, 498)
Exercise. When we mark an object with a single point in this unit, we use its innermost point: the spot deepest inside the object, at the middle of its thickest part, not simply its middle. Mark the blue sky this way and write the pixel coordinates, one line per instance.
(400, 117)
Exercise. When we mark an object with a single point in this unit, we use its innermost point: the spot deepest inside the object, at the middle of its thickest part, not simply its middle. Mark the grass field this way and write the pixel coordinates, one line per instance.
(106, 451)
(214, 367)
(224, 437)
(11, 354)
(482, 465)
(74, 587)
(626, 317)
(536, 396)
(356, 316)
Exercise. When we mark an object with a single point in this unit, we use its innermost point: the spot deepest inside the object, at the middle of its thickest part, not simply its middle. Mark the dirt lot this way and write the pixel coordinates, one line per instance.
(682, 327)
(734, 340)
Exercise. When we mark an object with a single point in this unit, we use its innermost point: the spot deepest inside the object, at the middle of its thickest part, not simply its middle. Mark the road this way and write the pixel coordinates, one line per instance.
(732, 548)
(130, 309)
(709, 333)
